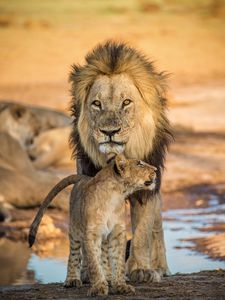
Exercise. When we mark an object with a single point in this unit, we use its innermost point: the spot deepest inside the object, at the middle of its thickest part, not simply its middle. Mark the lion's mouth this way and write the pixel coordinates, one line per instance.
(111, 147)
(111, 143)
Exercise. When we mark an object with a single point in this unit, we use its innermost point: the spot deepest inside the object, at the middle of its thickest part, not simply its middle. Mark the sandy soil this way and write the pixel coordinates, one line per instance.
(203, 285)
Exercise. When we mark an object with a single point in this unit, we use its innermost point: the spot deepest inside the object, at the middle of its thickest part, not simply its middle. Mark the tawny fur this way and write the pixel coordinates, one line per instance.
(21, 185)
(19, 122)
(51, 148)
(114, 72)
(97, 222)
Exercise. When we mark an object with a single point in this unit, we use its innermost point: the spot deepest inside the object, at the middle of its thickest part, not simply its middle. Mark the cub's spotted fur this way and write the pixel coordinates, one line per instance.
(97, 222)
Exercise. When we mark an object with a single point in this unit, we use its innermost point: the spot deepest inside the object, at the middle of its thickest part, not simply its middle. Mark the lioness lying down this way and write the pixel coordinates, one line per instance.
(21, 185)
(51, 148)
(97, 222)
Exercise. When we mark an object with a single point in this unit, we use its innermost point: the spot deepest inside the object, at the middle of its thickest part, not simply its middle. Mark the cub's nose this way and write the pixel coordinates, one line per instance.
(151, 180)
(110, 133)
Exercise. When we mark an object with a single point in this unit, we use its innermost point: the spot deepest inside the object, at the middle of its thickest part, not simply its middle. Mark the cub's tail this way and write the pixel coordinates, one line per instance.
(72, 179)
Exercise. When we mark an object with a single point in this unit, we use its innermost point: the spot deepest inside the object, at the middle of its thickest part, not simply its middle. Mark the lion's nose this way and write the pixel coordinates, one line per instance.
(110, 133)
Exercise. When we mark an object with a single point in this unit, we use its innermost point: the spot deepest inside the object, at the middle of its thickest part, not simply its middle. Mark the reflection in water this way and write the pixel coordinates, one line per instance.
(50, 261)
(184, 224)
(18, 264)
(14, 257)
(48, 270)
(184, 260)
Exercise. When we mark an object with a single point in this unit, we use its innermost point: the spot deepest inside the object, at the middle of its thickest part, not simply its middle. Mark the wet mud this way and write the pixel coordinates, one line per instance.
(202, 285)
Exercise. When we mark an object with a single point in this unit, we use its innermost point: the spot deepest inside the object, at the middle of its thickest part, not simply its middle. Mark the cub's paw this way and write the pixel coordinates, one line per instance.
(99, 289)
(147, 275)
(124, 289)
(72, 283)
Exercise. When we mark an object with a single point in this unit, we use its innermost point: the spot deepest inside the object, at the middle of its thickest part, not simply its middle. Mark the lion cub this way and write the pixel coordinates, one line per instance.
(97, 222)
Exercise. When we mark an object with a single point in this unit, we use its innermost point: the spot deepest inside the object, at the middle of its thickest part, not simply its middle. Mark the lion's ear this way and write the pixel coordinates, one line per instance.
(120, 163)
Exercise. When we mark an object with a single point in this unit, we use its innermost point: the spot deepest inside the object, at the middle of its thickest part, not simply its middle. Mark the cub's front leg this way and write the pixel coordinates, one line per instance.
(92, 245)
(117, 248)
(105, 261)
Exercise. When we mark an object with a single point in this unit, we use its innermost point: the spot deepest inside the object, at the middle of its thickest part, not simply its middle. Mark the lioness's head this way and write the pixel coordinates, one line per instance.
(118, 105)
(19, 122)
(136, 174)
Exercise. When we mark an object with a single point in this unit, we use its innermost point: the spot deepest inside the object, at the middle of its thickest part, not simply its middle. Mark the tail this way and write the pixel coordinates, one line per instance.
(72, 179)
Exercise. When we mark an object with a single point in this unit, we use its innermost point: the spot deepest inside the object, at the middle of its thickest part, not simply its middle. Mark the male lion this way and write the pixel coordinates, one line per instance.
(97, 222)
(118, 105)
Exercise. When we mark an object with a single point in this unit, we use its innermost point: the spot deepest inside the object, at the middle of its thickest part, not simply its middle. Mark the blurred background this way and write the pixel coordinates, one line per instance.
(39, 41)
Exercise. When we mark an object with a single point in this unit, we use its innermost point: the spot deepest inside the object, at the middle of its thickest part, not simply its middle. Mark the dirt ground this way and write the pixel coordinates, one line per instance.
(202, 285)
(39, 42)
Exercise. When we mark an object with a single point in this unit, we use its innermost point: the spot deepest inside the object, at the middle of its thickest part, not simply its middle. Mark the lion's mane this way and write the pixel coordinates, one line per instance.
(117, 58)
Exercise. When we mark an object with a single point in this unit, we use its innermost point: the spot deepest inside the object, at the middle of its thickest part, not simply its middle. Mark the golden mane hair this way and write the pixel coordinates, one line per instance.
(118, 58)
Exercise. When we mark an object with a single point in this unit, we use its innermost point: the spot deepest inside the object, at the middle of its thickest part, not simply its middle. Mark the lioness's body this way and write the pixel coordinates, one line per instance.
(97, 220)
(42, 132)
(21, 185)
(45, 118)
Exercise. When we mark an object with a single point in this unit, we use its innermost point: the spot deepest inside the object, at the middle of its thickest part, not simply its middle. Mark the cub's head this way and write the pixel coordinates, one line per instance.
(136, 174)
(118, 105)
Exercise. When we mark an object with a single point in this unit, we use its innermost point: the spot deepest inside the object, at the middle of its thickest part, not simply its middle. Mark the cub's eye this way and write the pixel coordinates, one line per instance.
(140, 163)
(96, 104)
(126, 102)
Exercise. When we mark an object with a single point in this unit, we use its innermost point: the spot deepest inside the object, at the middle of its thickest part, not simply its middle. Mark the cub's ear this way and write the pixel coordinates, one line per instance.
(17, 111)
(120, 164)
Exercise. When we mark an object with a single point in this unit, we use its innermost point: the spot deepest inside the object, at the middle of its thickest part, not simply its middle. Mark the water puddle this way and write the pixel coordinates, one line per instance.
(182, 224)
(20, 265)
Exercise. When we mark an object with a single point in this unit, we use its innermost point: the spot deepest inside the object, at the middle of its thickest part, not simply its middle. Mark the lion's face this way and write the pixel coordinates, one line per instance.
(111, 110)
(115, 119)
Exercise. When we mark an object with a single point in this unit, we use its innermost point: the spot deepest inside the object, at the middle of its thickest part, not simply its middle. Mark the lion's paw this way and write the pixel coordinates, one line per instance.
(72, 283)
(152, 276)
(145, 275)
(123, 288)
(99, 289)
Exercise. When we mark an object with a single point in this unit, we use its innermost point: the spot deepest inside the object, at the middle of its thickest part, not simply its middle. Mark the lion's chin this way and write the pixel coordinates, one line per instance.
(109, 148)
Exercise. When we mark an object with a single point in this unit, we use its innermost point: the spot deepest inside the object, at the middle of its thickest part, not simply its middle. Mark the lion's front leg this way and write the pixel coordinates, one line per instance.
(147, 261)
(158, 249)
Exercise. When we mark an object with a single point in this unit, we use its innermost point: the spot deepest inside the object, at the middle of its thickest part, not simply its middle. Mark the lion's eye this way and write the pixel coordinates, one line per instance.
(126, 102)
(97, 104)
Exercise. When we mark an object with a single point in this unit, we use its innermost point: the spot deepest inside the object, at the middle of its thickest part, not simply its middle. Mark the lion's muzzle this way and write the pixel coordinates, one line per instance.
(110, 133)
(111, 147)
